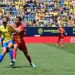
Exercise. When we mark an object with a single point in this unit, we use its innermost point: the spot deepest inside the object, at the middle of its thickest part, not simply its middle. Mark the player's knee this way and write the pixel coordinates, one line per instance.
(15, 46)
(10, 46)
(4, 51)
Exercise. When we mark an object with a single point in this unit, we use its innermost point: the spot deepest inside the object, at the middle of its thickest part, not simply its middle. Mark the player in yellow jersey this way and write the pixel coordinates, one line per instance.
(6, 32)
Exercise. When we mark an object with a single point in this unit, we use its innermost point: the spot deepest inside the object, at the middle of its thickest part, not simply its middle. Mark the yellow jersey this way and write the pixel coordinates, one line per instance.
(6, 33)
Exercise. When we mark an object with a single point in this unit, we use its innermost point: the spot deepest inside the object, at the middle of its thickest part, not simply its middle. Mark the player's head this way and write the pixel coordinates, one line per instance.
(18, 20)
(5, 20)
(60, 24)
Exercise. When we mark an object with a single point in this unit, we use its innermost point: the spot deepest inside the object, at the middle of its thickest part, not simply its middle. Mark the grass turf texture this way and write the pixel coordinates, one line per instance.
(49, 60)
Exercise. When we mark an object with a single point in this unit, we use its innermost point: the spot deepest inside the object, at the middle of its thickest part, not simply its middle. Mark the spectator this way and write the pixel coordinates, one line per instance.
(43, 12)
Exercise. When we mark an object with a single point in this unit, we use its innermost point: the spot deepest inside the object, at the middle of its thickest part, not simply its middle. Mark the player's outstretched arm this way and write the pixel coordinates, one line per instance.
(18, 30)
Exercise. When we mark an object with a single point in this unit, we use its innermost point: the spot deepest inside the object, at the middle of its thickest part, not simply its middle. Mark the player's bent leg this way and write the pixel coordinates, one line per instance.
(62, 42)
(15, 52)
(4, 50)
(25, 51)
(29, 59)
(1, 57)
(58, 41)
(27, 56)
(10, 47)
(3, 54)
(14, 55)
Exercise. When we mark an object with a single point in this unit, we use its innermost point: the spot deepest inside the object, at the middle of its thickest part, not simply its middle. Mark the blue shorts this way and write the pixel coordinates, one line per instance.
(5, 44)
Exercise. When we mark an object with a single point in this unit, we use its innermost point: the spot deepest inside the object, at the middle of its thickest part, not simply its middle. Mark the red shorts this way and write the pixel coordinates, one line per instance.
(61, 36)
(22, 45)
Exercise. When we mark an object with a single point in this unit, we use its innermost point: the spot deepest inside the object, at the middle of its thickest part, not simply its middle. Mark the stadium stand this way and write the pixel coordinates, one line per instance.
(44, 13)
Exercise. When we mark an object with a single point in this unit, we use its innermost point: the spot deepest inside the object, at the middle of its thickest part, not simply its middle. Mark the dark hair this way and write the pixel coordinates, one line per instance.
(20, 19)
(6, 18)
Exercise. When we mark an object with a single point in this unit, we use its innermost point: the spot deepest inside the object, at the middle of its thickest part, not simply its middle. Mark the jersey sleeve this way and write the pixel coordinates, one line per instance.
(22, 27)
(1, 28)
(10, 28)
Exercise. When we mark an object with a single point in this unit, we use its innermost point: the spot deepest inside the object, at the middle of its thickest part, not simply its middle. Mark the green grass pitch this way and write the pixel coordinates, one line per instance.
(49, 60)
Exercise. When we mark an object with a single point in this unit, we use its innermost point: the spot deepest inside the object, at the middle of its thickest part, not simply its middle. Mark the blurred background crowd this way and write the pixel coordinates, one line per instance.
(40, 13)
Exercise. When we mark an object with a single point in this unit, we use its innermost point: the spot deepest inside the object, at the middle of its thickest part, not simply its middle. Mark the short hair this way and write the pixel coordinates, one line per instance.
(20, 19)
(6, 18)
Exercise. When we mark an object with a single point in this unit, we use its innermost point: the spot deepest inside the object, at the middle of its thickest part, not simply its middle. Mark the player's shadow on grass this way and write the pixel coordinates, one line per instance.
(18, 66)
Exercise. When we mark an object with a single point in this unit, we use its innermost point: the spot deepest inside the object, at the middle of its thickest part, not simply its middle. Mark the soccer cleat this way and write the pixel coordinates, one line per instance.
(12, 63)
(33, 65)
(62, 46)
(56, 45)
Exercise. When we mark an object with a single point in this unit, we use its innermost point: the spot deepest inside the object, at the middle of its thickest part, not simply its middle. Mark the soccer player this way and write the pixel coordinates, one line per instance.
(19, 40)
(60, 36)
(7, 44)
